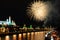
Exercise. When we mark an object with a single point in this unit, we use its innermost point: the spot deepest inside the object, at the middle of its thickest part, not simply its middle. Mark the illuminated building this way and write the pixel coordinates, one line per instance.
(7, 22)
(4, 23)
(24, 27)
(30, 26)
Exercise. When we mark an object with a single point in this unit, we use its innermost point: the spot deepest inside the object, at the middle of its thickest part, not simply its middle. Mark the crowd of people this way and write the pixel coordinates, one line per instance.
(52, 36)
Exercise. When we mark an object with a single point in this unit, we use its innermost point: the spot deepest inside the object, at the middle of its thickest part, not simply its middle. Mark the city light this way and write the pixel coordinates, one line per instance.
(7, 22)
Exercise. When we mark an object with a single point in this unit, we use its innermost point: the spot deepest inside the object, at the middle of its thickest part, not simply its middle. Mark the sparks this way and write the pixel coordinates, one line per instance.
(38, 10)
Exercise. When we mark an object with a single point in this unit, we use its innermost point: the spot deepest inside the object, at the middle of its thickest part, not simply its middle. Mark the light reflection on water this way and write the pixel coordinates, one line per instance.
(20, 37)
(14, 37)
(28, 36)
(32, 36)
(0, 38)
(25, 36)
(7, 37)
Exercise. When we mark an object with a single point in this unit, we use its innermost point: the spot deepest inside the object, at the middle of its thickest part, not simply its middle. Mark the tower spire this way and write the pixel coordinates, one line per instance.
(9, 19)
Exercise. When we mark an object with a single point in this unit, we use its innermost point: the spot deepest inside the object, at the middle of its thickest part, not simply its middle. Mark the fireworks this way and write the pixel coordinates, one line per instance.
(38, 10)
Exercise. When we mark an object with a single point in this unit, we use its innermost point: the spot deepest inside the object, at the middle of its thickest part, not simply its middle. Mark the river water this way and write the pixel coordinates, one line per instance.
(24, 36)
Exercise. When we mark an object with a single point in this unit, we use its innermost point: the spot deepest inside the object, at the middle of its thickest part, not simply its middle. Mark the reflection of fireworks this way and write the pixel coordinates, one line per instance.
(38, 10)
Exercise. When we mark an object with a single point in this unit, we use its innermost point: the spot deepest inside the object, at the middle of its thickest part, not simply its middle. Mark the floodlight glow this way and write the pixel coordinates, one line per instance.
(7, 22)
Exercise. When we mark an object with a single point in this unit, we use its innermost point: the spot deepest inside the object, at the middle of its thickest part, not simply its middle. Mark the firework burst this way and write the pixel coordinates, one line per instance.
(38, 10)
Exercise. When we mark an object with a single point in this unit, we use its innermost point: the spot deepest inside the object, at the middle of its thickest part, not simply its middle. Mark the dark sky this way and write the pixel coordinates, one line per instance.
(17, 10)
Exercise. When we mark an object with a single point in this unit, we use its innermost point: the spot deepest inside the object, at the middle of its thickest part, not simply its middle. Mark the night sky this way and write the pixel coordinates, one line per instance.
(17, 10)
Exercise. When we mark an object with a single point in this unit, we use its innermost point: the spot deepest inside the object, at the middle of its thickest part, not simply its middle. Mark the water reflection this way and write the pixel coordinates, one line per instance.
(28, 36)
(41, 36)
(14, 37)
(24, 36)
(32, 36)
(20, 37)
(36, 36)
(0, 38)
(7, 37)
